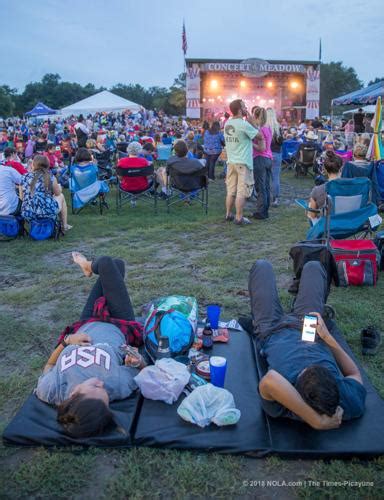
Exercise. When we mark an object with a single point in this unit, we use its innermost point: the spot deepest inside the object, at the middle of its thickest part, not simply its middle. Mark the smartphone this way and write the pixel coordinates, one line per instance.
(309, 331)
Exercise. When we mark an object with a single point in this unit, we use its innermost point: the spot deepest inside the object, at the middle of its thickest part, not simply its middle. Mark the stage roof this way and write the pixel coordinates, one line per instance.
(271, 61)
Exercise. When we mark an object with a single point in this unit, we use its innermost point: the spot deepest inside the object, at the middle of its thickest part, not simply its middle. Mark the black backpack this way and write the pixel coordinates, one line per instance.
(306, 251)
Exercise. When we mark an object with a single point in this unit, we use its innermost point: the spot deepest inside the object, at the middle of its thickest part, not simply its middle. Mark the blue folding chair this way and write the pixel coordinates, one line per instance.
(288, 152)
(380, 179)
(86, 188)
(347, 211)
(352, 170)
(164, 152)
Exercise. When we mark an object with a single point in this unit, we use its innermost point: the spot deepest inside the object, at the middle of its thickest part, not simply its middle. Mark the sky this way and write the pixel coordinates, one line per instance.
(124, 41)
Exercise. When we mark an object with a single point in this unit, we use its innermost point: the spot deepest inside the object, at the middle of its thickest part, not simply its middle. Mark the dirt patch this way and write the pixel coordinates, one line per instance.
(10, 280)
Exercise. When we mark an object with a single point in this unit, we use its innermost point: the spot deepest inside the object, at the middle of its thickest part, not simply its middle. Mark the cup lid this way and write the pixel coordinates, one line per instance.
(217, 361)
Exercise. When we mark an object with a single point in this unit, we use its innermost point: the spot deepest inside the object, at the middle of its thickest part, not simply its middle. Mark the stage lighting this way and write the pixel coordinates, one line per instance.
(214, 84)
(269, 84)
(294, 85)
(243, 84)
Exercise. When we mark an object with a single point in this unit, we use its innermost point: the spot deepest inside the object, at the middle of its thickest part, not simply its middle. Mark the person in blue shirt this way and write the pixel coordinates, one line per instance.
(317, 382)
(213, 146)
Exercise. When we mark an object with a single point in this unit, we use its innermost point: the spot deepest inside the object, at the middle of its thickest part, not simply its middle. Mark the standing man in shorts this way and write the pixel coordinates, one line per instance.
(238, 134)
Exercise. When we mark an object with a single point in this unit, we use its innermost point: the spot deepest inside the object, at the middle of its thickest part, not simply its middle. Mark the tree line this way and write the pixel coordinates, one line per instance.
(56, 94)
(335, 80)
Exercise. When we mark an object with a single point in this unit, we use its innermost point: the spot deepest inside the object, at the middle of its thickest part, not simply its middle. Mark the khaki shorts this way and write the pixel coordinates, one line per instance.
(239, 180)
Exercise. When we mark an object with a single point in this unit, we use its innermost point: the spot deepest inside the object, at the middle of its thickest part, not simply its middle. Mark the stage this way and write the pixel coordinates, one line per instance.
(292, 88)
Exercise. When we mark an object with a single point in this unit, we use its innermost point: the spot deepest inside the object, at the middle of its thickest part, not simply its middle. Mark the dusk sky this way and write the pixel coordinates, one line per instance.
(124, 41)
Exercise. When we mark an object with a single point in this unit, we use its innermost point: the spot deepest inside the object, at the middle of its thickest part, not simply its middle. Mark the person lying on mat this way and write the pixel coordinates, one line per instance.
(317, 382)
(88, 368)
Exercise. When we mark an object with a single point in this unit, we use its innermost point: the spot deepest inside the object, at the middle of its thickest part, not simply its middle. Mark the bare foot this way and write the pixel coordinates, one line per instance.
(82, 261)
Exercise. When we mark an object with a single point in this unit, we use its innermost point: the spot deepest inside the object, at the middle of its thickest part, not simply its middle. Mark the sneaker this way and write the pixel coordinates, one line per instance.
(229, 217)
(275, 202)
(242, 222)
(370, 340)
(67, 227)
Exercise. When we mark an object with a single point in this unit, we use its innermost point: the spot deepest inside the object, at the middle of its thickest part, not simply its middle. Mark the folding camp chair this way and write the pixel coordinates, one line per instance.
(148, 194)
(288, 152)
(164, 152)
(86, 188)
(305, 159)
(348, 211)
(352, 170)
(380, 180)
(104, 164)
(181, 189)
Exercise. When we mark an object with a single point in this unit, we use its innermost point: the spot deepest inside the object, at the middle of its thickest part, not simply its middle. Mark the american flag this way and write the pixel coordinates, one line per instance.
(184, 44)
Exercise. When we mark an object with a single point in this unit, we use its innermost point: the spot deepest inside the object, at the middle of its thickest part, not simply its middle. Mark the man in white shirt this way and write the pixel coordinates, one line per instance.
(9, 201)
(238, 134)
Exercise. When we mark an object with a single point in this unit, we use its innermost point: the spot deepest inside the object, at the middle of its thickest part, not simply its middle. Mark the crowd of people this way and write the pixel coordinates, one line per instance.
(36, 155)
(35, 159)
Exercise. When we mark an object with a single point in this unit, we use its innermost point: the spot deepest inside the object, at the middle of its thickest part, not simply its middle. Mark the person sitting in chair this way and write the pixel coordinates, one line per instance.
(89, 367)
(12, 160)
(10, 179)
(333, 165)
(133, 160)
(41, 194)
(317, 382)
(182, 164)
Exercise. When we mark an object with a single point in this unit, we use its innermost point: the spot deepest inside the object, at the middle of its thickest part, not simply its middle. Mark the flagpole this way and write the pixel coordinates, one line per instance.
(184, 45)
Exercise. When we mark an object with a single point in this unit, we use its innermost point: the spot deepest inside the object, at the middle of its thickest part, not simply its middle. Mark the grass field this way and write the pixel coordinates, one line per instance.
(185, 253)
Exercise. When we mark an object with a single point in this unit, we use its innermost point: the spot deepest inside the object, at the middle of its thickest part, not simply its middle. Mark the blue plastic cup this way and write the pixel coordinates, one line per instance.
(213, 315)
(218, 368)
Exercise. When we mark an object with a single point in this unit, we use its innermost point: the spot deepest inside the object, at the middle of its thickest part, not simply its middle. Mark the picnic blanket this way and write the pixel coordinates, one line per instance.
(144, 422)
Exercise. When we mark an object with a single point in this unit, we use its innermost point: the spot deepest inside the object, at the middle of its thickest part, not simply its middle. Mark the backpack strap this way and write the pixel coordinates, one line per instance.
(158, 315)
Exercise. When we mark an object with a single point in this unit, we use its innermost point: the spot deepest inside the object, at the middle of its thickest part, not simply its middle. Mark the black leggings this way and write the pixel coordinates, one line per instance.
(110, 284)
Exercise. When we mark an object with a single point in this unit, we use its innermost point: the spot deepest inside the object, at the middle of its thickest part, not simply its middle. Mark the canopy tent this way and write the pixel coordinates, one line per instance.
(370, 109)
(40, 110)
(368, 95)
(103, 101)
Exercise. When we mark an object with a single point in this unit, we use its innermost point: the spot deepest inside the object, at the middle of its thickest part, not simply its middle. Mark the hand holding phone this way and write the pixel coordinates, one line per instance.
(309, 329)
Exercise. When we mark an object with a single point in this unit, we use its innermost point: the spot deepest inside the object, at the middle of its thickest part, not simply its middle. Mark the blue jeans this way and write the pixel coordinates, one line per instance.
(211, 163)
(276, 169)
(262, 168)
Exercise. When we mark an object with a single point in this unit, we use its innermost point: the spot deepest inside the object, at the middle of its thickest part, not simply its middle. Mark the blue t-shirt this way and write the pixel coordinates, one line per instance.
(287, 354)
(213, 143)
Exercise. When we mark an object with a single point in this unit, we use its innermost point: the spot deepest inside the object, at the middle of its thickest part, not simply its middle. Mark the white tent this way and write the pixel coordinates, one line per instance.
(103, 101)
(370, 108)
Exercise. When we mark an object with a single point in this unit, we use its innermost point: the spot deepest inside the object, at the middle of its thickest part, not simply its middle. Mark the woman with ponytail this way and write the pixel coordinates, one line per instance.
(333, 166)
(41, 194)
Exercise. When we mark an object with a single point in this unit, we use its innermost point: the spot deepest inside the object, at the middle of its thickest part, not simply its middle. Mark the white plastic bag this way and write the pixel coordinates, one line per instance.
(207, 404)
(164, 380)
